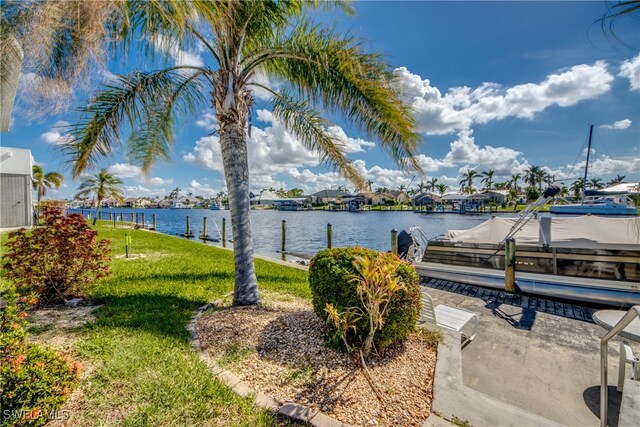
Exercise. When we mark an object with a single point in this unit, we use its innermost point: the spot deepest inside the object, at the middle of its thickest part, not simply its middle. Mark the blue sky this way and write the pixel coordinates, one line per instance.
(494, 85)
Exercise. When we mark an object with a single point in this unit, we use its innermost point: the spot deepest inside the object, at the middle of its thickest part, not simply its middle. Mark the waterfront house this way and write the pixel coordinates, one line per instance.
(16, 209)
(327, 196)
(427, 199)
(498, 196)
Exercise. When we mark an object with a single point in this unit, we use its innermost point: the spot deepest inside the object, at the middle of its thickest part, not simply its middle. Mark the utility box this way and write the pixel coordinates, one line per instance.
(16, 207)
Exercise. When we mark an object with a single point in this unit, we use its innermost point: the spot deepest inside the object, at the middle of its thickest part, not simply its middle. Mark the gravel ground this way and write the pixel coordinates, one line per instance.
(278, 349)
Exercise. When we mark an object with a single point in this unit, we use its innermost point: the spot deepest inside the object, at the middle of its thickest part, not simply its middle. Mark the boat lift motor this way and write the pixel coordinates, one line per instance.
(409, 247)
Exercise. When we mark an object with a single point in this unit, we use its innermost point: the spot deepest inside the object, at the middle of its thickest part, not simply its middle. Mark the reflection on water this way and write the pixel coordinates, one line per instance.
(307, 230)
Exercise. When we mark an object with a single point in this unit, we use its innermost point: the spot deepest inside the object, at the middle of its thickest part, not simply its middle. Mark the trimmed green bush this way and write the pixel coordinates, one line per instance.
(329, 283)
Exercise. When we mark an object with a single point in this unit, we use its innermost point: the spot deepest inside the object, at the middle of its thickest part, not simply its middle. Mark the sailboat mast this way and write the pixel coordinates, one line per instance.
(586, 168)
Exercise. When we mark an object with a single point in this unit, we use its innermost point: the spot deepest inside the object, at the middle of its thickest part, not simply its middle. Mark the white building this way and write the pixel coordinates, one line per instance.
(16, 165)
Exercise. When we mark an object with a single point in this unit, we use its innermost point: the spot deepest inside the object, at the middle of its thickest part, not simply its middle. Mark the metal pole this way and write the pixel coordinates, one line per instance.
(586, 167)
(329, 235)
(510, 265)
(394, 241)
(284, 237)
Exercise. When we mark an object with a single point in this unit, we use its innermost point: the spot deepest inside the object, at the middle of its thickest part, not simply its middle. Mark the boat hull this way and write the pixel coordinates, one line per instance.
(619, 294)
(591, 275)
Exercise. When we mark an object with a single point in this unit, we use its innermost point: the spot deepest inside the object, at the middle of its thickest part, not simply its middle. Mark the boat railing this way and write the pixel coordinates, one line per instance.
(604, 349)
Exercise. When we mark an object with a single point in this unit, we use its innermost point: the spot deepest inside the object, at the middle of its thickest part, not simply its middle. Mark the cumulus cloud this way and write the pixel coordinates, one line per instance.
(605, 165)
(200, 189)
(127, 170)
(631, 70)
(208, 121)
(55, 135)
(462, 107)
(272, 150)
(464, 151)
(620, 124)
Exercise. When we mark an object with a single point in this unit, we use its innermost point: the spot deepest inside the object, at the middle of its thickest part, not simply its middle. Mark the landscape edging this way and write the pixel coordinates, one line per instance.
(292, 410)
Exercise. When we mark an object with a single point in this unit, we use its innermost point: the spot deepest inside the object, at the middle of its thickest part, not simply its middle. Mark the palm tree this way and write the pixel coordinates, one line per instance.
(432, 184)
(514, 181)
(467, 181)
(488, 178)
(577, 187)
(103, 185)
(442, 188)
(370, 185)
(532, 175)
(402, 187)
(619, 179)
(595, 183)
(317, 68)
(42, 181)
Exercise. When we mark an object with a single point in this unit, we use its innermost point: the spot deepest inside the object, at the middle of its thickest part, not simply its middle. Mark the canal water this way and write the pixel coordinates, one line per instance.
(306, 231)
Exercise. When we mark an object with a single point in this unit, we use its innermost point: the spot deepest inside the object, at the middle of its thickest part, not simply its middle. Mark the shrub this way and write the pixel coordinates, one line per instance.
(330, 272)
(34, 381)
(57, 261)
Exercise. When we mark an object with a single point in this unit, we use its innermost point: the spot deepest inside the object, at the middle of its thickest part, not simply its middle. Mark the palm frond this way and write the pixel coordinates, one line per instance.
(304, 122)
(145, 101)
(332, 71)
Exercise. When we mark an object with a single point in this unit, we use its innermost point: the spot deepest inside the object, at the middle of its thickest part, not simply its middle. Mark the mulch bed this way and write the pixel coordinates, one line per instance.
(279, 350)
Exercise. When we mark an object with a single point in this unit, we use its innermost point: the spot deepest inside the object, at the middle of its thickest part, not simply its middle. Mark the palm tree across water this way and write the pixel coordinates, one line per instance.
(316, 68)
(442, 188)
(488, 178)
(619, 179)
(466, 182)
(103, 185)
(42, 181)
(514, 181)
(432, 183)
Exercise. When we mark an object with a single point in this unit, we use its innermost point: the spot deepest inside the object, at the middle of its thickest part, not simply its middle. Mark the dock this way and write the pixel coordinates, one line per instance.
(537, 354)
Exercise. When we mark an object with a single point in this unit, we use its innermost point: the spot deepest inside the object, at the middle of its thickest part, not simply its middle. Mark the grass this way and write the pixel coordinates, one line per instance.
(144, 371)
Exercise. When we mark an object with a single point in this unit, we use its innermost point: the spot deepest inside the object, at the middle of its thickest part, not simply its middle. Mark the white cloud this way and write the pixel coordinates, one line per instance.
(605, 165)
(462, 107)
(272, 150)
(208, 121)
(261, 78)
(631, 70)
(179, 56)
(199, 189)
(55, 135)
(127, 170)
(620, 124)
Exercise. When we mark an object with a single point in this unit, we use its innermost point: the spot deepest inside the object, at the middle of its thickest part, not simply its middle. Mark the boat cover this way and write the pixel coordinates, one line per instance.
(588, 232)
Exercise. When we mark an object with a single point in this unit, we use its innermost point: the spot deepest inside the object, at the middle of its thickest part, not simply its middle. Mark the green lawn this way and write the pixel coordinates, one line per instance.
(144, 371)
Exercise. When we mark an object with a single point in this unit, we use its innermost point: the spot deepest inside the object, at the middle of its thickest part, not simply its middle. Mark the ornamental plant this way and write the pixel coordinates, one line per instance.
(369, 299)
(57, 261)
(34, 381)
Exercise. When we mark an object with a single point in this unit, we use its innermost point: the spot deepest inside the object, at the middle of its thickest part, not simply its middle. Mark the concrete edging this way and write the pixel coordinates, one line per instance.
(453, 399)
(292, 410)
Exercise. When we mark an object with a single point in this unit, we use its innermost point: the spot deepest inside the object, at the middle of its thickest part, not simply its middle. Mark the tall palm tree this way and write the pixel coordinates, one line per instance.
(595, 183)
(103, 185)
(619, 179)
(577, 187)
(466, 182)
(432, 184)
(442, 188)
(533, 176)
(514, 181)
(488, 178)
(42, 181)
(317, 68)
(370, 185)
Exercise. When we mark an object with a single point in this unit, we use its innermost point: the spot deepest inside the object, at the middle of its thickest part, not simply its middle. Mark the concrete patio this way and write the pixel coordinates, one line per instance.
(538, 355)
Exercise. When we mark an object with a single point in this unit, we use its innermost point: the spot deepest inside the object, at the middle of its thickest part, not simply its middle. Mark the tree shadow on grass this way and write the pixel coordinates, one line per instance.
(163, 315)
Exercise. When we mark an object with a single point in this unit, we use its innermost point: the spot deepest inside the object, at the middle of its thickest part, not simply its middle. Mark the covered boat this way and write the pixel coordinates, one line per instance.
(588, 258)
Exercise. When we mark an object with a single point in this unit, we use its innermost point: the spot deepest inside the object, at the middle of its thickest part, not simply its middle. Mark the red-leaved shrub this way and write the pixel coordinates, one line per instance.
(59, 260)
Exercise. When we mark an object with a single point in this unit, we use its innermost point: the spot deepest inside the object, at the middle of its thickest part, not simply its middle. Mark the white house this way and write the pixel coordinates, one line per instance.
(16, 208)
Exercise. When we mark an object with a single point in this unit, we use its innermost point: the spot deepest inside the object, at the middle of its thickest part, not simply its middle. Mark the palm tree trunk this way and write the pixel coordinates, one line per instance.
(233, 146)
(95, 218)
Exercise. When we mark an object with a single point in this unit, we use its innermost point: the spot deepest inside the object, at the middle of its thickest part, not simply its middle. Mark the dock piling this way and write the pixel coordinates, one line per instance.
(224, 232)
(329, 235)
(204, 228)
(283, 242)
(153, 218)
(394, 241)
(510, 265)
